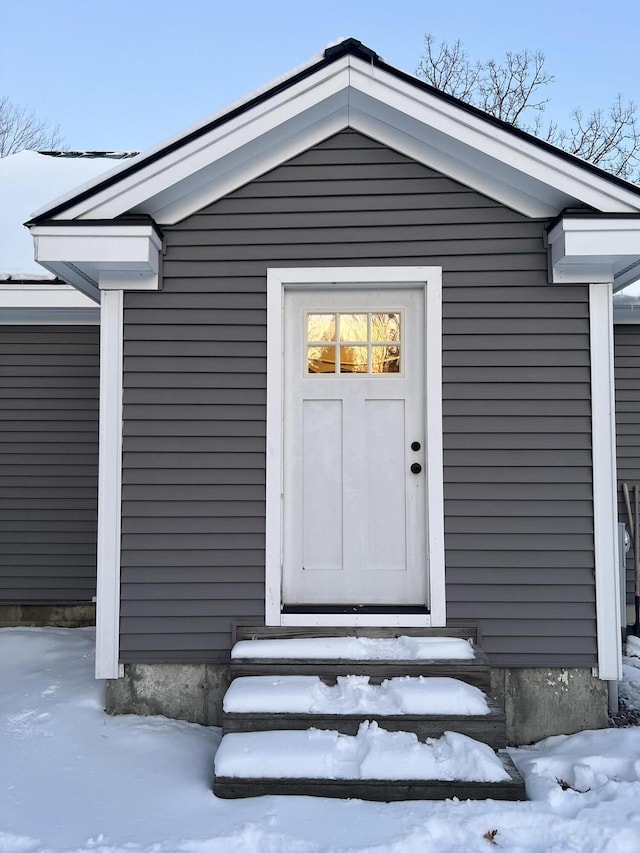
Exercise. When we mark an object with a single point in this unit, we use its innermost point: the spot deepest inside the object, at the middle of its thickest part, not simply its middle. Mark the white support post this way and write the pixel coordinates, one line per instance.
(605, 483)
(109, 487)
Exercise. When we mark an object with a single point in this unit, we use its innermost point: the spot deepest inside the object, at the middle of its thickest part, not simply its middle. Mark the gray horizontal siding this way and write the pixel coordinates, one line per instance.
(48, 463)
(627, 388)
(517, 419)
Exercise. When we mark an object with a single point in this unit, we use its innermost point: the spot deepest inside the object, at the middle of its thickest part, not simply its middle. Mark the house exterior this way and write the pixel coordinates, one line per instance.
(356, 370)
(49, 381)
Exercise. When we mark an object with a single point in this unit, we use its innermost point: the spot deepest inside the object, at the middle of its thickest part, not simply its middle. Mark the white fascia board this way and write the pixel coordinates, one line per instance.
(551, 172)
(206, 154)
(353, 93)
(42, 296)
(83, 255)
(46, 304)
(100, 245)
(605, 502)
(175, 138)
(589, 250)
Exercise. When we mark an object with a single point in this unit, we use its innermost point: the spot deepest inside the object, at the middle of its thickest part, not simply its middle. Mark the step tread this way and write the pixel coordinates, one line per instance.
(378, 790)
(308, 694)
(364, 648)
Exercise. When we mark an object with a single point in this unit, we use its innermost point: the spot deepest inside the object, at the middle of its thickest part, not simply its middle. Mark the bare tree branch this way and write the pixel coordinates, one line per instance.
(20, 128)
(448, 68)
(512, 90)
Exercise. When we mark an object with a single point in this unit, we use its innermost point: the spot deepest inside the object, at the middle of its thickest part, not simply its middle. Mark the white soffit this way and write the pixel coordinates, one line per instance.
(97, 256)
(351, 93)
(595, 249)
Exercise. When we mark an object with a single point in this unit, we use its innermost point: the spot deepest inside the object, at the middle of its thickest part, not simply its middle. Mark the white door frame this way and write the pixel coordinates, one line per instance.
(430, 278)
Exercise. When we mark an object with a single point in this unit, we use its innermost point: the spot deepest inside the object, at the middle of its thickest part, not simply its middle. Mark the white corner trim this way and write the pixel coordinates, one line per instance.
(274, 538)
(109, 487)
(435, 455)
(278, 279)
(605, 518)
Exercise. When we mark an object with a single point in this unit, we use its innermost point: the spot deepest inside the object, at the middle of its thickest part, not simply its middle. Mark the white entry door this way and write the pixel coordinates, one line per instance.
(354, 508)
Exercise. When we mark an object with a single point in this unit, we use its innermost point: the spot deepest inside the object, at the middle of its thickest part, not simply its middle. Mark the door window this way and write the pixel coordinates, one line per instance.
(347, 343)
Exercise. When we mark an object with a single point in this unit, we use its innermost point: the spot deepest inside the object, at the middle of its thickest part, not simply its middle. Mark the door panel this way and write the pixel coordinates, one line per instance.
(322, 485)
(354, 513)
(384, 431)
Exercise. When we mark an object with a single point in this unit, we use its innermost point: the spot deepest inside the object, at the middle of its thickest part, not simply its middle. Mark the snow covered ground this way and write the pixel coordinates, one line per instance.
(75, 779)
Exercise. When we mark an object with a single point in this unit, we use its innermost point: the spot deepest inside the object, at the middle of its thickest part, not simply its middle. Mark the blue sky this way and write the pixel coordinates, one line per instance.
(126, 74)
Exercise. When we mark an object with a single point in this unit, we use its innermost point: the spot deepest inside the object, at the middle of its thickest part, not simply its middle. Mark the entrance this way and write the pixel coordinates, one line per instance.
(354, 494)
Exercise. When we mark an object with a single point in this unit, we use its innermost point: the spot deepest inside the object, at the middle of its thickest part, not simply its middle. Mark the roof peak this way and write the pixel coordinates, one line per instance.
(351, 46)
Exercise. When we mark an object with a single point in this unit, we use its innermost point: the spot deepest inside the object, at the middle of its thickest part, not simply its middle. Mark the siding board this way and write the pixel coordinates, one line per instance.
(48, 463)
(517, 419)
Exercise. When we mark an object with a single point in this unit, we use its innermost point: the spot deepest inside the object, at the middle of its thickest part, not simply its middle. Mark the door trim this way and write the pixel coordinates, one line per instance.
(278, 280)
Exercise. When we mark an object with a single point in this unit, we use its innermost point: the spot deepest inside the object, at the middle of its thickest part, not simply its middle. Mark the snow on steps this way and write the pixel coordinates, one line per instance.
(308, 694)
(402, 648)
(346, 668)
(379, 657)
(425, 706)
(374, 764)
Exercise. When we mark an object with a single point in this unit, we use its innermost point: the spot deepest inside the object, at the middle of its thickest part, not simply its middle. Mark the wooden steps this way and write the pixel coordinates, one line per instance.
(377, 790)
(476, 671)
(488, 728)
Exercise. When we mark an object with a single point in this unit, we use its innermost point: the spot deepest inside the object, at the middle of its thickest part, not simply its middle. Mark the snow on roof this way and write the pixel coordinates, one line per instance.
(29, 180)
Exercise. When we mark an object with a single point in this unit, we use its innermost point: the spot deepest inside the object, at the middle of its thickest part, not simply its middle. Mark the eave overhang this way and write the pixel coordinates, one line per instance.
(349, 88)
(94, 256)
(591, 249)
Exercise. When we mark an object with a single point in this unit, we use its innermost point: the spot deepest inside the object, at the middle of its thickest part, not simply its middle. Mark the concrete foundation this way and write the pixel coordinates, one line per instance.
(538, 702)
(43, 615)
(544, 702)
(191, 692)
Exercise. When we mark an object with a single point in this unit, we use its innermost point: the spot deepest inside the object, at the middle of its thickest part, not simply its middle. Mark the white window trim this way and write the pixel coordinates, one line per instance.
(278, 280)
(109, 487)
(605, 506)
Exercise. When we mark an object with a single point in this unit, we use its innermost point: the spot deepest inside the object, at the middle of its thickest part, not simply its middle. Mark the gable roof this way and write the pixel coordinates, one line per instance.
(349, 86)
